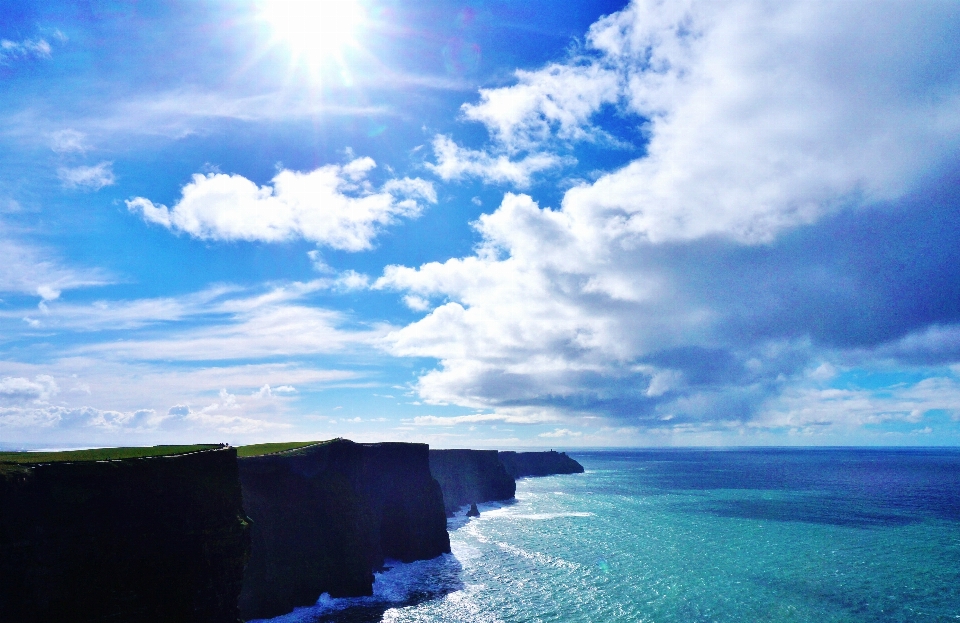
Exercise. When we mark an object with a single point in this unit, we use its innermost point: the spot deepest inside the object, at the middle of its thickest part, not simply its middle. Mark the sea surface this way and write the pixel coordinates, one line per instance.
(811, 535)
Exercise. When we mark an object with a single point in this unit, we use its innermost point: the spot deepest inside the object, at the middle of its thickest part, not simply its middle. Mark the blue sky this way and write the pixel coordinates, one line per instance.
(485, 224)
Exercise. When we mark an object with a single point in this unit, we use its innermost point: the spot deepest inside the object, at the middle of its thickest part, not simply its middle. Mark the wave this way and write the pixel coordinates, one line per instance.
(398, 585)
(541, 516)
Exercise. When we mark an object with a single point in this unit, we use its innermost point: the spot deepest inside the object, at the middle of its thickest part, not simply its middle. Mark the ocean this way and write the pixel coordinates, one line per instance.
(663, 536)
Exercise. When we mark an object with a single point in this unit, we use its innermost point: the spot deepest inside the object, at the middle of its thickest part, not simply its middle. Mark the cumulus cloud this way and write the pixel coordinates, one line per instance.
(334, 205)
(19, 389)
(558, 100)
(755, 125)
(88, 178)
(455, 163)
(795, 203)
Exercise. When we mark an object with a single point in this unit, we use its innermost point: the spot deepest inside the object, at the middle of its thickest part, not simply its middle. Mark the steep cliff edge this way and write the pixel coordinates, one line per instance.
(325, 517)
(467, 476)
(89, 537)
(520, 464)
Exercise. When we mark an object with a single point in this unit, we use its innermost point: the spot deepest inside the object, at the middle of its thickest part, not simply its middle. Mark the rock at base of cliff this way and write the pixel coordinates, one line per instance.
(467, 476)
(474, 511)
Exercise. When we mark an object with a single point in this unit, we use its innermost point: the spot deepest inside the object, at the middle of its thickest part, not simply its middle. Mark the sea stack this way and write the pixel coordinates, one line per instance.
(474, 511)
(467, 476)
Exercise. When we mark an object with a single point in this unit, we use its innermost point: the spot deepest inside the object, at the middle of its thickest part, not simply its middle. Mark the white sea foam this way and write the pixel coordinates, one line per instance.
(541, 516)
(400, 584)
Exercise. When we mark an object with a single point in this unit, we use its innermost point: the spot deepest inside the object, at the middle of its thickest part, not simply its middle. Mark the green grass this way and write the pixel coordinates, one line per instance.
(98, 454)
(259, 449)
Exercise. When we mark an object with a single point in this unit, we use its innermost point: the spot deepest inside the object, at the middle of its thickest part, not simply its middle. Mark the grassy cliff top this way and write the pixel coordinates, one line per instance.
(260, 449)
(99, 454)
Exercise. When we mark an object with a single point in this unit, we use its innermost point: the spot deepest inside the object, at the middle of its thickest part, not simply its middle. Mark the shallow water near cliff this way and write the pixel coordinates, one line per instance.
(832, 535)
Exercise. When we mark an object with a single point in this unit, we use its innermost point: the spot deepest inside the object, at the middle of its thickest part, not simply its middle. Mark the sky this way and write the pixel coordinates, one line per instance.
(480, 224)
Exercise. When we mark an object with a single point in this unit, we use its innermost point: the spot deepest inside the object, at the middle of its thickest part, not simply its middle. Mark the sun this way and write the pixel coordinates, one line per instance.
(314, 30)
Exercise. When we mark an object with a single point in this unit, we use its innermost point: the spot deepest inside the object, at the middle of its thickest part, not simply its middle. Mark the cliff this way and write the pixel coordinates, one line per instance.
(132, 535)
(325, 517)
(520, 464)
(468, 476)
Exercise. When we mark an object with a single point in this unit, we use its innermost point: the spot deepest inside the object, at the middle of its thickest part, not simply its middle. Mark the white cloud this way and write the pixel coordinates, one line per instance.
(267, 331)
(821, 410)
(88, 178)
(113, 315)
(455, 163)
(28, 48)
(67, 141)
(504, 416)
(352, 280)
(29, 269)
(19, 389)
(557, 100)
(416, 303)
(85, 421)
(756, 125)
(333, 205)
(560, 433)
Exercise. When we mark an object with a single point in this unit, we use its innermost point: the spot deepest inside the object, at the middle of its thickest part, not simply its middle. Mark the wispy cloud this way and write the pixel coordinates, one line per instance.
(88, 178)
(29, 269)
(219, 323)
(68, 141)
(27, 48)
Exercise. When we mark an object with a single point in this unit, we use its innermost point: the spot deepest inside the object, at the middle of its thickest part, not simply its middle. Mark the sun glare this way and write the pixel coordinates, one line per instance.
(314, 29)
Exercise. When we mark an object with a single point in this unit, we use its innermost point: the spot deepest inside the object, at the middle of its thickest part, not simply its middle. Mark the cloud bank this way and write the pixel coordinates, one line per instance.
(795, 203)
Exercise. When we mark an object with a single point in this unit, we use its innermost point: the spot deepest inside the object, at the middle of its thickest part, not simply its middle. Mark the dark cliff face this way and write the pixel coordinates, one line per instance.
(520, 464)
(147, 539)
(468, 476)
(326, 516)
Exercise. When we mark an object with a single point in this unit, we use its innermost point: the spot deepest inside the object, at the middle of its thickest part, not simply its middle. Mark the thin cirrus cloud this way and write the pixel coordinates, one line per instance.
(27, 48)
(784, 213)
(220, 323)
(29, 269)
(334, 205)
(107, 387)
(87, 178)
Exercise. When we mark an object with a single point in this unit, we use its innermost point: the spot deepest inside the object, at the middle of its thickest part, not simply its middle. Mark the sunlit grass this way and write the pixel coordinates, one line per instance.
(261, 449)
(99, 454)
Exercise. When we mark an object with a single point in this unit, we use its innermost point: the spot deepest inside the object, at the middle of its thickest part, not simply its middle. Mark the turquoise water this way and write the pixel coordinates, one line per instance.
(697, 536)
